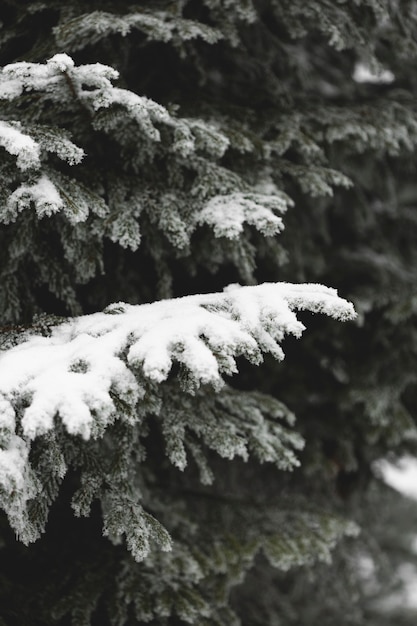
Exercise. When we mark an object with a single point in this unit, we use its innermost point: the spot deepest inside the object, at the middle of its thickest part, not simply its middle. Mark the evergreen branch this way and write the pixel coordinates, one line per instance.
(202, 333)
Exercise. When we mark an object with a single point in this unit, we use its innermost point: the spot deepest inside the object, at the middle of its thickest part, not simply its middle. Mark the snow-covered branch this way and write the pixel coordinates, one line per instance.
(61, 81)
(227, 214)
(74, 372)
(93, 370)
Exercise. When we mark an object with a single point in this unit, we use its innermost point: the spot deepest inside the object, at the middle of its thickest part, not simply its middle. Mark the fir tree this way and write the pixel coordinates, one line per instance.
(159, 461)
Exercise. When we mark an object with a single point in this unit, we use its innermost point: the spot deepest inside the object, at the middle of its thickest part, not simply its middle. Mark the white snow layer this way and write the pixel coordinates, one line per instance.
(19, 144)
(87, 362)
(402, 476)
(43, 194)
(364, 74)
(227, 214)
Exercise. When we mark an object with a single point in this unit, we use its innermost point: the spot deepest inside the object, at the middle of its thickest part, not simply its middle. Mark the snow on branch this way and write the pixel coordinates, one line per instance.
(31, 144)
(49, 78)
(93, 370)
(42, 194)
(61, 81)
(20, 144)
(76, 372)
(227, 214)
(28, 143)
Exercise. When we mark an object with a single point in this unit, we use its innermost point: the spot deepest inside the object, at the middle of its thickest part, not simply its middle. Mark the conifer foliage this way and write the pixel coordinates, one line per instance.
(184, 186)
